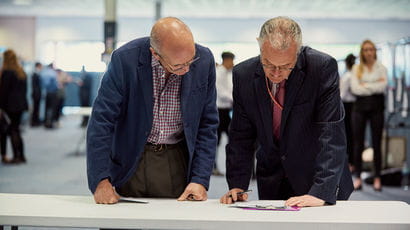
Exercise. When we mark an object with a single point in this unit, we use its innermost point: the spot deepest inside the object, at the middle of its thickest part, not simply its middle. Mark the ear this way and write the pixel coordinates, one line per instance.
(154, 53)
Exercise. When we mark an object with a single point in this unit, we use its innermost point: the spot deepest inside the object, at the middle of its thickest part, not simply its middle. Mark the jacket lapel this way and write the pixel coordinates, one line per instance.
(264, 102)
(185, 90)
(144, 77)
(293, 85)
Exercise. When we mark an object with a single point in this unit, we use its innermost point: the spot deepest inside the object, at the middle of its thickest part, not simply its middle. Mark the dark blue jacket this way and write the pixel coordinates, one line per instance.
(122, 115)
(311, 152)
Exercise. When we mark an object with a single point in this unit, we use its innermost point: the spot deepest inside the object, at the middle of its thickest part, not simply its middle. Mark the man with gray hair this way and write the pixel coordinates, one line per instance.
(288, 101)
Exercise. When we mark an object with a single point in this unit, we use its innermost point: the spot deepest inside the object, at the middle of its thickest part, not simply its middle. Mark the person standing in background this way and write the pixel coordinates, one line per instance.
(36, 95)
(63, 78)
(85, 85)
(13, 89)
(50, 84)
(224, 98)
(348, 99)
(369, 83)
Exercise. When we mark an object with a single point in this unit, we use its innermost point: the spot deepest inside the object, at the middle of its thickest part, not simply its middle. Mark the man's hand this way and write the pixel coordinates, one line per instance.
(105, 193)
(231, 196)
(194, 191)
(304, 201)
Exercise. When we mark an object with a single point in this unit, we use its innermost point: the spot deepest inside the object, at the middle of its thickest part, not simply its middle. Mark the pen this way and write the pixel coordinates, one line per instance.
(240, 193)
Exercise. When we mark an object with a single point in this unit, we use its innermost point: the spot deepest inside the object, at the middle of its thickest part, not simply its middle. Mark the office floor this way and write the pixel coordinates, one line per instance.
(53, 167)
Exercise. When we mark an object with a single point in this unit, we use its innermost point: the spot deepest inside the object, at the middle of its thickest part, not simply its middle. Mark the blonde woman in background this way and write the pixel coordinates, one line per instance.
(368, 84)
(13, 89)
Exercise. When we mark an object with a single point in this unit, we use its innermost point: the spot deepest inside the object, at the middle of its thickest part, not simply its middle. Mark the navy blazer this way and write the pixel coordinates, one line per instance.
(311, 152)
(122, 115)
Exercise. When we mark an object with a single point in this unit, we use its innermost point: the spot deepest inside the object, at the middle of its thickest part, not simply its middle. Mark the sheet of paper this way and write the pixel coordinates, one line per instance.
(133, 200)
(270, 207)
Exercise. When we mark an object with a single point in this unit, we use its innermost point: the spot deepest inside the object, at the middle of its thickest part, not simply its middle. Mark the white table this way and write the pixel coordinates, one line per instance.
(83, 111)
(81, 211)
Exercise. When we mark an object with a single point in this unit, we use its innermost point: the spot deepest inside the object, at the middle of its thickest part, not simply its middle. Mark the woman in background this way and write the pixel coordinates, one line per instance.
(368, 84)
(348, 100)
(13, 88)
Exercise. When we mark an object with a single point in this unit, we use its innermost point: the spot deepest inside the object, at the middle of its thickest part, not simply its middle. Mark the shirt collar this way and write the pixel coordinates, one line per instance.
(155, 62)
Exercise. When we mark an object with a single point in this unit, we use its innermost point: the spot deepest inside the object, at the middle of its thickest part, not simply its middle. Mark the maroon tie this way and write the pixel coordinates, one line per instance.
(277, 110)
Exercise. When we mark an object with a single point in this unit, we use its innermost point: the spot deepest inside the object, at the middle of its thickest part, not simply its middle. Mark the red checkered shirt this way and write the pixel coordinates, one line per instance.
(167, 123)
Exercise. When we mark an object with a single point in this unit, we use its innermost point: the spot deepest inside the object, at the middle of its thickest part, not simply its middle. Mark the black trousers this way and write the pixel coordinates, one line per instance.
(35, 115)
(224, 121)
(16, 139)
(160, 173)
(51, 108)
(360, 118)
(349, 134)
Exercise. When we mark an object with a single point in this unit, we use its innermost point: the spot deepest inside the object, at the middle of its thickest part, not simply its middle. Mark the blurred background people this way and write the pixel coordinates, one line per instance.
(36, 95)
(50, 85)
(224, 99)
(348, 99)
(85, 85)
(13, 89)
(63, 78)
(368, 83)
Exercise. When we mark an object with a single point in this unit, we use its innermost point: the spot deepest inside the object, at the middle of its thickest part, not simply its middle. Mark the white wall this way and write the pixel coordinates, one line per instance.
(206, 31)
(52, 30)
(314, 30)
(18, 33)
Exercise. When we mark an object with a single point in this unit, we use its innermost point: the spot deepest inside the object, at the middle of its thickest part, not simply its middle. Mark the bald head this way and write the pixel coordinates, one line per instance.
(171, 34)
(172, 44)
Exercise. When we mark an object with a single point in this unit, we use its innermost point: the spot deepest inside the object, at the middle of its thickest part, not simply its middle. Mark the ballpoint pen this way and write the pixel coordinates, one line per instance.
(243, 192)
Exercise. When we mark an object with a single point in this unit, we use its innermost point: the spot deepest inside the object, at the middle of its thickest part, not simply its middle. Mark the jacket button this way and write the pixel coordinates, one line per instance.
(283, 157)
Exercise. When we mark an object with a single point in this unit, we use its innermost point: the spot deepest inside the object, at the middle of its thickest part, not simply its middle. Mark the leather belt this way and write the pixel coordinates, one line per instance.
(159, 147)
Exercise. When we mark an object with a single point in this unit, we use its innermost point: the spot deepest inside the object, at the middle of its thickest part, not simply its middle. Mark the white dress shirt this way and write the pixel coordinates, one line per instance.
(370, 83)
(345, 89)
(224, 87)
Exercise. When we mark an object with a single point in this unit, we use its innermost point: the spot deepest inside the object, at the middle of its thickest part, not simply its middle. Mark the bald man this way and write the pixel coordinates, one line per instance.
(152, 132)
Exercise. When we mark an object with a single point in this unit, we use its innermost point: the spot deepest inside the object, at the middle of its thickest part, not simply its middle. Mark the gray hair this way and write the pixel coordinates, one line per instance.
(280, 31)
(154, 40)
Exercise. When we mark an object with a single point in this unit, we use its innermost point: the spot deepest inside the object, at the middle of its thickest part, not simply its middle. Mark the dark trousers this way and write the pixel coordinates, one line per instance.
(360, 118)
(160, 173)
(349, 135)
(51, 109)
(224, 121)
(16, 139)
(35, 115)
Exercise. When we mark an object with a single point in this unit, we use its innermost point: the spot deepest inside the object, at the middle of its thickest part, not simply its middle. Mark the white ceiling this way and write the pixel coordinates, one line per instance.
(343, 9)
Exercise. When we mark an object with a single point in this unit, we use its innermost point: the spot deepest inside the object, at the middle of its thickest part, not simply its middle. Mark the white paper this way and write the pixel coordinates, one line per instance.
(134, 200)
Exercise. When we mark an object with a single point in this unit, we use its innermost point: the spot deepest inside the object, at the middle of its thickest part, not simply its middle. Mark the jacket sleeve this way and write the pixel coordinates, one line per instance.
(106, 109)
(329, 123)
(205, 145)
(242, 137)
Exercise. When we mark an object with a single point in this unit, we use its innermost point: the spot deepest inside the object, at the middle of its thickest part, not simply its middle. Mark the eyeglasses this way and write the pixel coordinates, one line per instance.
(277, 68)
(178, 67)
